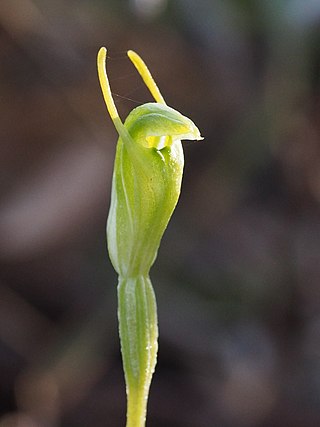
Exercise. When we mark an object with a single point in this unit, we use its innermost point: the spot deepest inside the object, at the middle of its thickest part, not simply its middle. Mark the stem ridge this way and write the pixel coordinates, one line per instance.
(137, 314)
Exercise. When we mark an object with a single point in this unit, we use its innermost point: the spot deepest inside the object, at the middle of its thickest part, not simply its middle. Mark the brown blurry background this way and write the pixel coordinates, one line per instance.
(237, 276)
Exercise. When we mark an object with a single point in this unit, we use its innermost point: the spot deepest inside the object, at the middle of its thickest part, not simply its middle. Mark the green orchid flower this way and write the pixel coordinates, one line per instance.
(146, 186)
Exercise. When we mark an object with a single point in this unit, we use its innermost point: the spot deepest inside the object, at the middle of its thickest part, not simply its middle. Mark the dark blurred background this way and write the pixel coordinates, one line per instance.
(237, 275)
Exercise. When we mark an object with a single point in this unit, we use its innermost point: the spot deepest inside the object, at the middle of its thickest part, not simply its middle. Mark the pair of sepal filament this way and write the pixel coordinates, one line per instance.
(106, 90)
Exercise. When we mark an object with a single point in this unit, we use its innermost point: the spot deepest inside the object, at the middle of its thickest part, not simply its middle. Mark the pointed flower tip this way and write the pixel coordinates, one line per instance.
(197, 134)
(194, 136)
(193, 132)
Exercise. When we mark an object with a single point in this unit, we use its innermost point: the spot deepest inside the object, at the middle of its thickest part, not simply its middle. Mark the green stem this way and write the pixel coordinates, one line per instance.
(138, 328)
